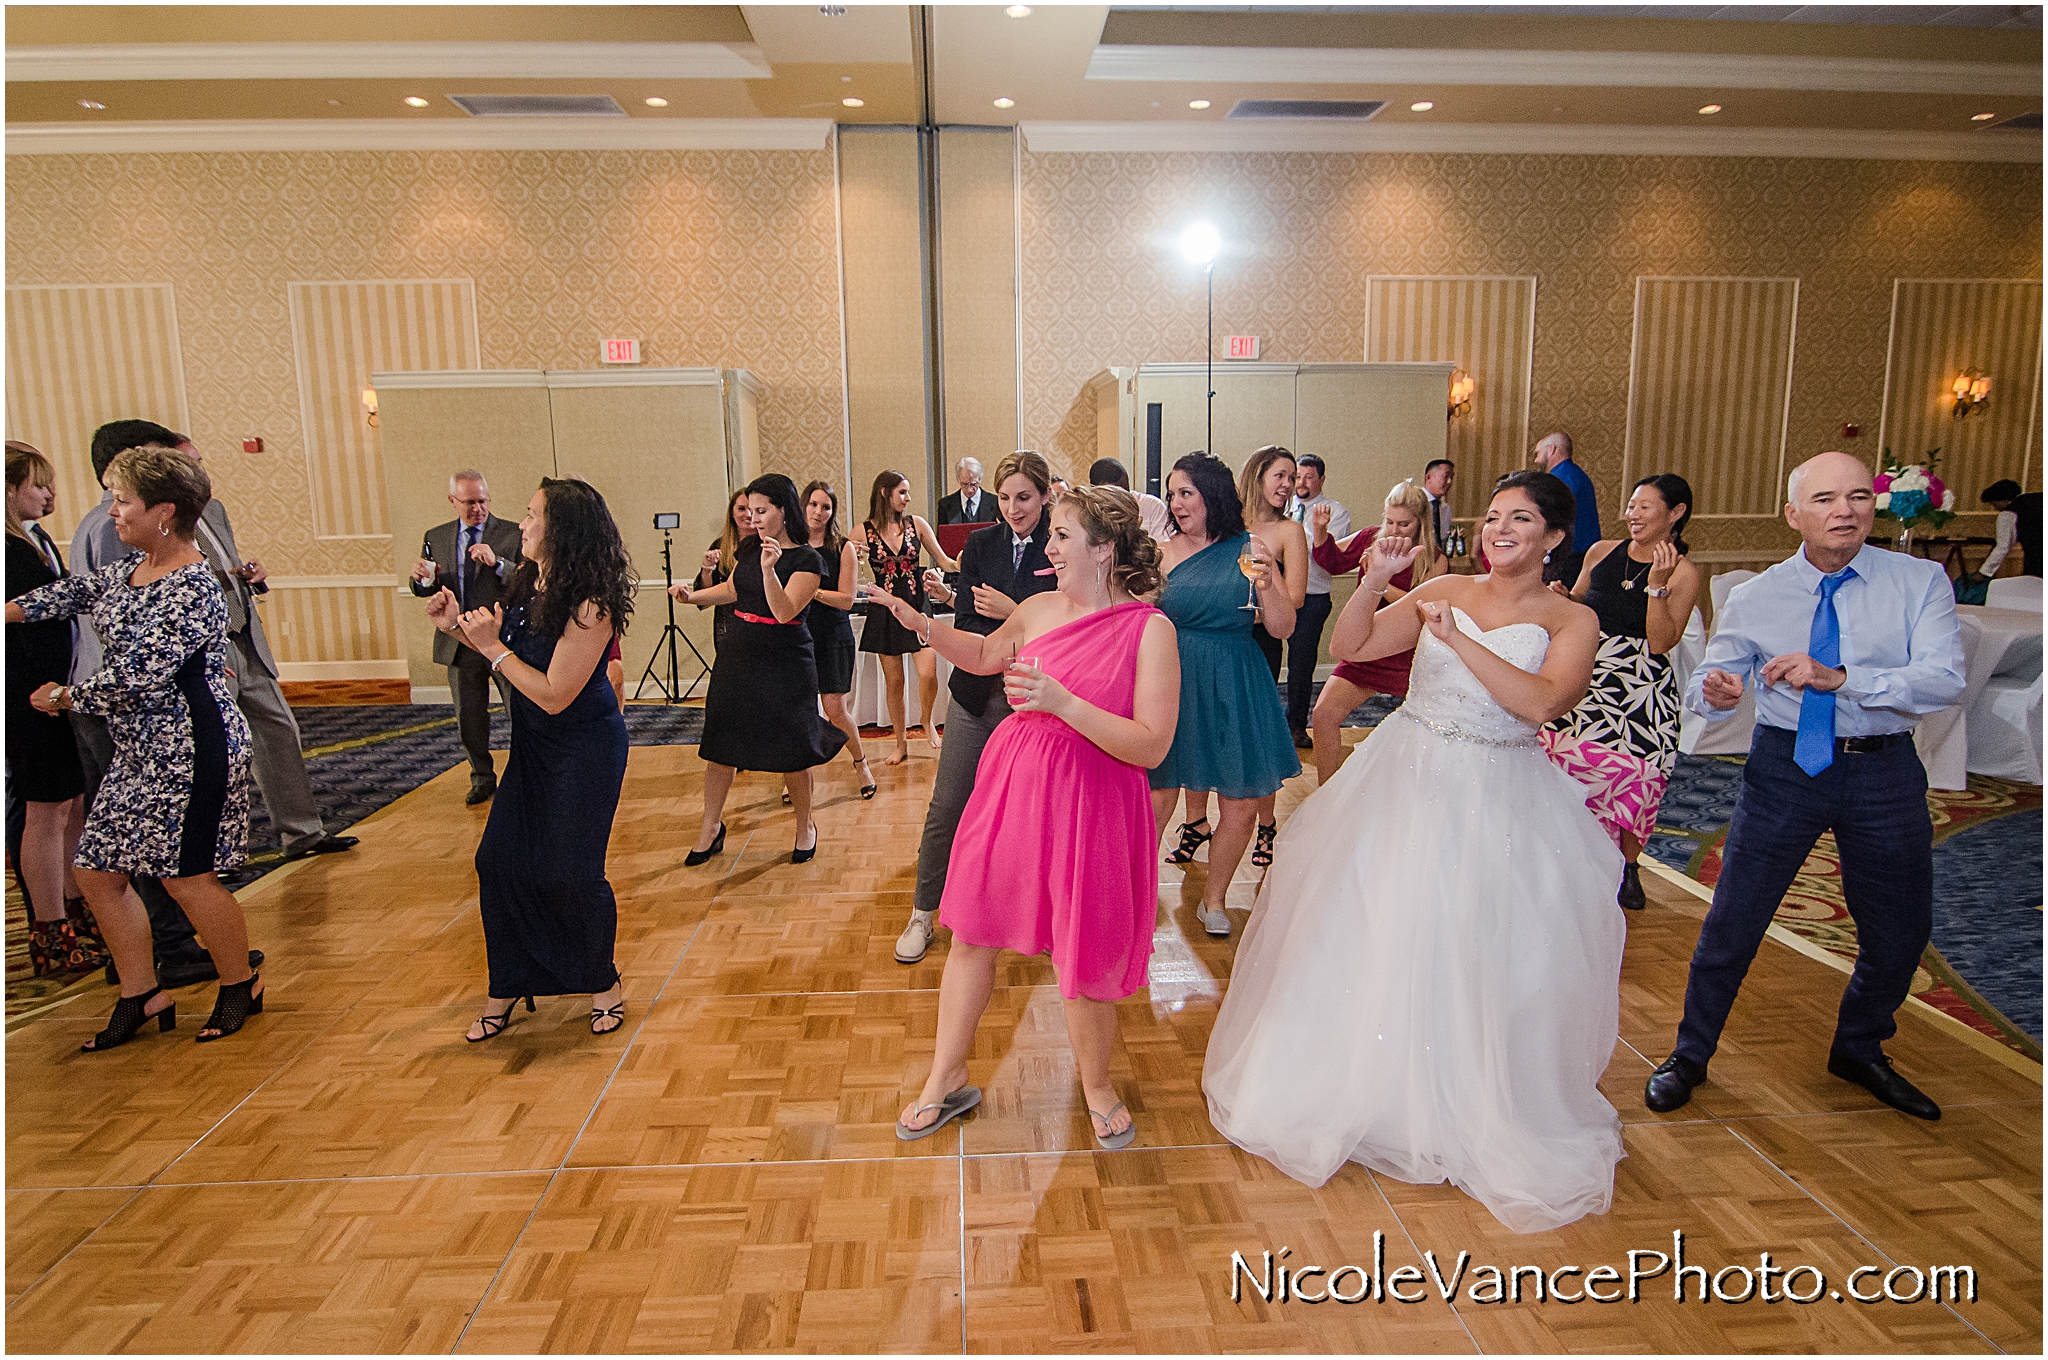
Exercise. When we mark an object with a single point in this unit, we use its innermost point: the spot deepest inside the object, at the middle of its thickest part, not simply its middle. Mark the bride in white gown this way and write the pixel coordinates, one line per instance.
(1429, 985)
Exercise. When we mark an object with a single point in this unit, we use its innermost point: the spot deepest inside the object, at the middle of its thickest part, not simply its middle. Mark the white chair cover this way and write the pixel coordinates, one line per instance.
(1730, 736)
(2004, 724)
(2014, 592)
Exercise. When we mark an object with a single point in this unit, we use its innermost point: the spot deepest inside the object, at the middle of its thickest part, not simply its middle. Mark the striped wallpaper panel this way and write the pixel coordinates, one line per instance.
(80, 356)
(1940, 327)
(353, 622)
(343, 332)
(1484, 324)
(1710, 377)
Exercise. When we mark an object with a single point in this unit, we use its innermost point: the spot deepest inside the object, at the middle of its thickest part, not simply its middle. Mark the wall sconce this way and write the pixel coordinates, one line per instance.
(1971, 390)
(370, 406)
(1461, 394)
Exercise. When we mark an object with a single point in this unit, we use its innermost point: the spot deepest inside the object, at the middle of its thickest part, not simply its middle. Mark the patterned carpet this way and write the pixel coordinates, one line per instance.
(1983, 968)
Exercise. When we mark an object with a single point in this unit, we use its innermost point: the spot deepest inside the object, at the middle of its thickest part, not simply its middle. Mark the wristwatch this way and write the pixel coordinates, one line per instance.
(1656, 592)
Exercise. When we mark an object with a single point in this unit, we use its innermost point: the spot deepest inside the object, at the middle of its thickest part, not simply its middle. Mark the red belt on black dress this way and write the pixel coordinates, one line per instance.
(756, 618)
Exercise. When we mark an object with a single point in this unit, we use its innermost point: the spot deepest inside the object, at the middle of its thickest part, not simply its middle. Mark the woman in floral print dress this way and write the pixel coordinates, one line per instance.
(175, 801)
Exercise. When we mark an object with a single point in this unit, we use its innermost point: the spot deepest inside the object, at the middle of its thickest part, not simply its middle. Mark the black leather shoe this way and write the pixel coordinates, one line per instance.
(1303, 741)
(326, 845)
(1670, 1086)
(480, 791)
(1880, 1080)
(1631, 895)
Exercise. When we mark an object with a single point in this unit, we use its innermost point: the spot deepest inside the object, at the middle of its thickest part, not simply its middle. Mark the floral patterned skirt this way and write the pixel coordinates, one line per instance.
(1621, 742)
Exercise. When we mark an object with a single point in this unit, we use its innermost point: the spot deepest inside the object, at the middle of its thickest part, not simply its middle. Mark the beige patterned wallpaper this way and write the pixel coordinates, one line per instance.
(1103, 285)
(723, 259)
(1712, 364)
(1481, 324)
(1941, 327)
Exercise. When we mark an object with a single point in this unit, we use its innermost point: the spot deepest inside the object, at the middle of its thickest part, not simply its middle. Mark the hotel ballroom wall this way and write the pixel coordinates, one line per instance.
(137, 279)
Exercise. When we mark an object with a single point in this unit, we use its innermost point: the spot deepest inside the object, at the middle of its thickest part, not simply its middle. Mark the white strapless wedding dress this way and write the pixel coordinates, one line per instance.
(1430, 981)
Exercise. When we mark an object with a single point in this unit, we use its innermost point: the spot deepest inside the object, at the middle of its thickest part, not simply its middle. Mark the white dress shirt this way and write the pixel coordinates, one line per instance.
(1302, 511)
(1901, 646)
(1154, 515)
(2008, 528)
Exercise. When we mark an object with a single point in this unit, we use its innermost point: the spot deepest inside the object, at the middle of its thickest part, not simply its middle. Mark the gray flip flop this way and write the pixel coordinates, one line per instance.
(952, 1107)
(1114, 1140)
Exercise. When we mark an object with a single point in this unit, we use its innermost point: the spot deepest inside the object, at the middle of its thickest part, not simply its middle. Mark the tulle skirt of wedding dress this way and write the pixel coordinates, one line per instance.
(1429, 985)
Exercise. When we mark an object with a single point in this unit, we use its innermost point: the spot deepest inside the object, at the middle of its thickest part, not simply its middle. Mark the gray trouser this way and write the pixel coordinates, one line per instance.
(469, 682)
(170, 932)
(278, 764)
(966, 734)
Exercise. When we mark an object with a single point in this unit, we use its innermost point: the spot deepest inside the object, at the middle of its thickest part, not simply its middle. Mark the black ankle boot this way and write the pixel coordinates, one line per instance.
(1631, 895)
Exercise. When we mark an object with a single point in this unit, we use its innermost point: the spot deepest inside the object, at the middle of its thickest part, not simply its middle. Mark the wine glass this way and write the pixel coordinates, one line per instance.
(1249, 560)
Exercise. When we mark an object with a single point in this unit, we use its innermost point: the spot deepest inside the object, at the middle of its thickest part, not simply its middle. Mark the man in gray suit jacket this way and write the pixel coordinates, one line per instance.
(473, 555)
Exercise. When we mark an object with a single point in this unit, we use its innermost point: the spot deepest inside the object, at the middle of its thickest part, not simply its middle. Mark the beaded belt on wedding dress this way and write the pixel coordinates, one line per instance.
(1453, 732)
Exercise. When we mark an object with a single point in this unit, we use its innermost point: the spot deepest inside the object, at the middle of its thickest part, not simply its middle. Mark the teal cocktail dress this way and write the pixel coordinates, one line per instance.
(1232, 739)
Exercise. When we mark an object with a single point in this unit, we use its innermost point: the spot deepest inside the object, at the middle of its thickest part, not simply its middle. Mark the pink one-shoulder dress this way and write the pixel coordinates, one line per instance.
(1056, 850)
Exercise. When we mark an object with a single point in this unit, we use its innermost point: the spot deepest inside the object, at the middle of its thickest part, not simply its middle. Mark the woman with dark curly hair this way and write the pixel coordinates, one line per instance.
(761, 710)
(550, 920)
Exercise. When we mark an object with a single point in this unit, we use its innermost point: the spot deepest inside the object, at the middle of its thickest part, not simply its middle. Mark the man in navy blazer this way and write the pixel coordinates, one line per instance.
(1000, 566)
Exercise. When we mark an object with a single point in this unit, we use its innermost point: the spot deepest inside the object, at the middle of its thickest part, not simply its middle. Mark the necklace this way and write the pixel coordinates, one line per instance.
(1630, 581)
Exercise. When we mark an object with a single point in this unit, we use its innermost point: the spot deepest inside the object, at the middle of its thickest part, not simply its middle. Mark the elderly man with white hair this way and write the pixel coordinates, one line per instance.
(474, 556)
(1849, 647)
(970, 504)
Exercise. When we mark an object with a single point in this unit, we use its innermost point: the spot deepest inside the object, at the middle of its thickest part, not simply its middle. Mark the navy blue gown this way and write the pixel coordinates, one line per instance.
(550, 920)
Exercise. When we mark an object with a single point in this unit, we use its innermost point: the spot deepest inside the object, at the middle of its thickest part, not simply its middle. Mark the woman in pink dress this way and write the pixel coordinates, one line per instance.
(1055, 849)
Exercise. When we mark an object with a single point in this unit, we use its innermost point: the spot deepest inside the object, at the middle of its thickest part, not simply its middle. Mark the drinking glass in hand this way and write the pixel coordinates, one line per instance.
(1249, 561)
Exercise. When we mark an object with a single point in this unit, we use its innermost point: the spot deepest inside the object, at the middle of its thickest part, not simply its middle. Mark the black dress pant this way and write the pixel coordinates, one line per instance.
(469, 681)
(1302, 650)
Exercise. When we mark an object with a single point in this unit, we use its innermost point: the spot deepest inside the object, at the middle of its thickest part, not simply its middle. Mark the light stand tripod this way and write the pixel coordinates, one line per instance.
(671, 692)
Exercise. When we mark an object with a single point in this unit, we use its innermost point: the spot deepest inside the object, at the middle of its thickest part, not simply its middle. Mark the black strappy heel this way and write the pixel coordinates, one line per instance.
(232, 1007)
(867, 790)
(616, 1011)
(697, 857)
(1191, 840)
(1262, 848)
(128, 1017)
(494, 1025)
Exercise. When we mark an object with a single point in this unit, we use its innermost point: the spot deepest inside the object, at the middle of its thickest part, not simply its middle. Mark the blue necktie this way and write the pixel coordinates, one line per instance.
(1017, 547)
(462, 546)
(1814, 750)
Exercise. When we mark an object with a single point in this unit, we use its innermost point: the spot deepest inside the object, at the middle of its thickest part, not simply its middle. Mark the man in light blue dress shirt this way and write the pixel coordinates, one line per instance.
(1849, 647)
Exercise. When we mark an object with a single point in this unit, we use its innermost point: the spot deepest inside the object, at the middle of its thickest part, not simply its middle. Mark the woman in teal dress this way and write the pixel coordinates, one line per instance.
(1232, 739)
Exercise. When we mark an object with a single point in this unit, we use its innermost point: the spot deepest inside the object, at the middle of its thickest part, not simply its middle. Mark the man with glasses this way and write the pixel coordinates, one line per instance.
(473, 555)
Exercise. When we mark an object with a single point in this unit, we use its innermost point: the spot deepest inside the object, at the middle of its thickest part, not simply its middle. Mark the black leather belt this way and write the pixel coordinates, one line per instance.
(1856, 746)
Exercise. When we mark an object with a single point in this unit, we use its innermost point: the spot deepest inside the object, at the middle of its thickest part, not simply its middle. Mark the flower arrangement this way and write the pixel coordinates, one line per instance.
(1911, 495)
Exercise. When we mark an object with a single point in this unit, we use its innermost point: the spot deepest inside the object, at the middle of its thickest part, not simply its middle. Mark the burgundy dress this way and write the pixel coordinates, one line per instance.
(1389, 674)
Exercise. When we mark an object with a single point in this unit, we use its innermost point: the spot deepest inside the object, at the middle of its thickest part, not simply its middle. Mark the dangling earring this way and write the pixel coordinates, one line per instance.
(1546, 559)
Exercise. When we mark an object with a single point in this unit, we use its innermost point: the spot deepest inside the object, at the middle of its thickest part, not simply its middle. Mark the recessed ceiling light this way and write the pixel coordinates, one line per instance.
(415, 101)
(1423, 106)
(846, 80)
(1006, 103)
(90, 104)
(1710, 108)
(1198, 103)
(853, 103)
(1019, 11)
(1982, 117)
(832, 11)
(656, 102)
(334, 103)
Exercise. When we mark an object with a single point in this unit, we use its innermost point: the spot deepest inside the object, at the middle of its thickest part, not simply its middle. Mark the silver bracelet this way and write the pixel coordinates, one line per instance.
(503, 657)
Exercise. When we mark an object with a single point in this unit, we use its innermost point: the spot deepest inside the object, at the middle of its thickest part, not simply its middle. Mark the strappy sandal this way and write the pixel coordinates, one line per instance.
(1262, 848)
(233, 1004)
(1191, 840)
(951, 1108)
(867, 790)
(128, 1017)
(494, 1025)
(1111, 1142)
(615, 1012)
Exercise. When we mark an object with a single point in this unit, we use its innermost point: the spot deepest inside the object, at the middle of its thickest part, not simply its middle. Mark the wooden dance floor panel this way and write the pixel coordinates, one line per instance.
(722, 1174)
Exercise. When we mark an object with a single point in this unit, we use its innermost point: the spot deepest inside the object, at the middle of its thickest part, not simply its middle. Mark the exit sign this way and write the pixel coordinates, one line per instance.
(1244, 347)
(619, 351)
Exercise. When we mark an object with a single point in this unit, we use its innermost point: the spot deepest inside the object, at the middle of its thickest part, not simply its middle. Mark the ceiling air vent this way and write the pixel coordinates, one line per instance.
(538, 105)
(1357, 110)
(2026, 122)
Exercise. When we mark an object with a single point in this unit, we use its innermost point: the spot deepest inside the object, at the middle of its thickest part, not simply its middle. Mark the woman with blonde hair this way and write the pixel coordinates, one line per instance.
(1055, 849)
(42, 756)
(1266, 486)
(719, 557)
(1406, 516)
(893, 536)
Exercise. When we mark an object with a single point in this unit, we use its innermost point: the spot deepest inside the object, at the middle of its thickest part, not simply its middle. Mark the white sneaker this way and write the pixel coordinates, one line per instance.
(1215, 922)
(916, 937)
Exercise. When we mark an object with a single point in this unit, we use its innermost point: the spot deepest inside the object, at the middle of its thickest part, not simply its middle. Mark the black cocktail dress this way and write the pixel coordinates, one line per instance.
(761, 711)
